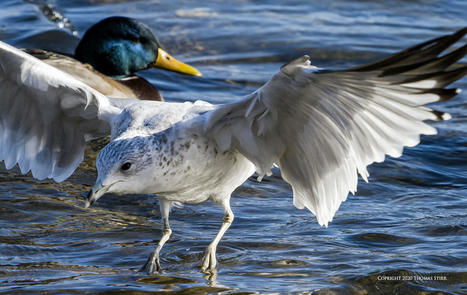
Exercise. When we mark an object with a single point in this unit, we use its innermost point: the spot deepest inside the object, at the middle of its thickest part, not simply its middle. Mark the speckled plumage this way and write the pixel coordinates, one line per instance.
(181, 163)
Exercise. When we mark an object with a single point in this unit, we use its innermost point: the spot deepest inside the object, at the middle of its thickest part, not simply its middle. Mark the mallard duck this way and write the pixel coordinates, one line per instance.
(109, 54)
(320, 127)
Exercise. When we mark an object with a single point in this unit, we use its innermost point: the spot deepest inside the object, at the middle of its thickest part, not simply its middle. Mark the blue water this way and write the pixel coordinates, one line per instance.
(408, 223)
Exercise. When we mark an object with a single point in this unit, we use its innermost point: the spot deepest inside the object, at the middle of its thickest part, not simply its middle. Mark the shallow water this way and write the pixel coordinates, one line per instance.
(403, 233)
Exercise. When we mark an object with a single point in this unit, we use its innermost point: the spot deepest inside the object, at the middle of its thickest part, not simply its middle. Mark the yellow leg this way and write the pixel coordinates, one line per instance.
(209, 262)
(153, 265)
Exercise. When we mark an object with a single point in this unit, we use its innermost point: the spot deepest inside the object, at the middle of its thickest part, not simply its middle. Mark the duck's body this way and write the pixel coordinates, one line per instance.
(128, 87)
(109, 54)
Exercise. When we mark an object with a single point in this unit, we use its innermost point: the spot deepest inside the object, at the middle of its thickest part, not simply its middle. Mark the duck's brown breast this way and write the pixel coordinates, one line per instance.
(131, 87)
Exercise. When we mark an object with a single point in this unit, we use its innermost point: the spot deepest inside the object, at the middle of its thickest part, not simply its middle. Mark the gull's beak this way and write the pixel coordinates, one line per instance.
(95, 193)
(167, 62)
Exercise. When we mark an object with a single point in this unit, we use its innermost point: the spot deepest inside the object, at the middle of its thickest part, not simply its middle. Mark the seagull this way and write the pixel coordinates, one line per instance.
(322, 128)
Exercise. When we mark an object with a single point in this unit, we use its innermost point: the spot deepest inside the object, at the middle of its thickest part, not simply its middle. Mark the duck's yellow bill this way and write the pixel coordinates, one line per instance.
(167, 62)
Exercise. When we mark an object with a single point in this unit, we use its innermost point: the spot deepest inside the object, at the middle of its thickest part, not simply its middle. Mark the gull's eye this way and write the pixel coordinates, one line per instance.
(125, 166)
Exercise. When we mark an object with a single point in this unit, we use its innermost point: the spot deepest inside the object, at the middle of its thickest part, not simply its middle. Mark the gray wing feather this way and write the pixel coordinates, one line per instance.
(324, 128)
(46, 115)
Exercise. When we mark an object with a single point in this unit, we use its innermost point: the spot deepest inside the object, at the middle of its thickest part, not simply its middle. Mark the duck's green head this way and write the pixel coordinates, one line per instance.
(119, 46)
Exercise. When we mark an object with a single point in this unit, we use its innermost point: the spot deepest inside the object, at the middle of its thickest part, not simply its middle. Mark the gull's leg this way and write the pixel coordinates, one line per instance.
(152, 265)
(208, 264)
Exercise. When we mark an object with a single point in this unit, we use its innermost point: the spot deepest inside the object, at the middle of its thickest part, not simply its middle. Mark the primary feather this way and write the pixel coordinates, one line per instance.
(323, 127)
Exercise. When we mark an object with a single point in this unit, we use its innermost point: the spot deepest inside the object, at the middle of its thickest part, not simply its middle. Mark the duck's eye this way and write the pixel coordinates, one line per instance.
(125, 166)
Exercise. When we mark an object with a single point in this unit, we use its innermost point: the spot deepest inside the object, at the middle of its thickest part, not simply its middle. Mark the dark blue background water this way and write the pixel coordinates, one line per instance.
(409, 221)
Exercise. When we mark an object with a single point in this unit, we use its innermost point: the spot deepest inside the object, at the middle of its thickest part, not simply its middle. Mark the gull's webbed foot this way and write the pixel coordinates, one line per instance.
(209, 262)
(152, 265)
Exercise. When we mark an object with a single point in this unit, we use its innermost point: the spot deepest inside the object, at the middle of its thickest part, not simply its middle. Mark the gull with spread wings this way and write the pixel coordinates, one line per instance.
(321, 128)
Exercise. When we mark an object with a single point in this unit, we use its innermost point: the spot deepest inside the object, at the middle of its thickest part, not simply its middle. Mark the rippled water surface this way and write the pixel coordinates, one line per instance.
(408, 224)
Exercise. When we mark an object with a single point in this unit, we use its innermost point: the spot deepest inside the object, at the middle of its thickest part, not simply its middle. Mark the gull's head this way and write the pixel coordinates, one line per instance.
(123, 167)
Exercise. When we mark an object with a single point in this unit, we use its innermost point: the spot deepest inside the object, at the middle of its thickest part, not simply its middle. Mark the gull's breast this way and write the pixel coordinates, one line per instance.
(190, 168)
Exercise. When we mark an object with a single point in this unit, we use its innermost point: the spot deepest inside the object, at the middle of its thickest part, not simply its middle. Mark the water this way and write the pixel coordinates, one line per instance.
(408, 223)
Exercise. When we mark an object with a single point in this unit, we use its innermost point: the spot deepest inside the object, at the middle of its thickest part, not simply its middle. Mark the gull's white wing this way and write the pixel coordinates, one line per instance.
(321, 128)
(46, 115)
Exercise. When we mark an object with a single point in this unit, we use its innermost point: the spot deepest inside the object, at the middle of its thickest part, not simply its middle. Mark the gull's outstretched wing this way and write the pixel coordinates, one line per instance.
(46, 115)
(322, 127)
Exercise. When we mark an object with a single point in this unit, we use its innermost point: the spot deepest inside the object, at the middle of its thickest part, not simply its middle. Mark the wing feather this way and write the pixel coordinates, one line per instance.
(46, 115)
(323, 128)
